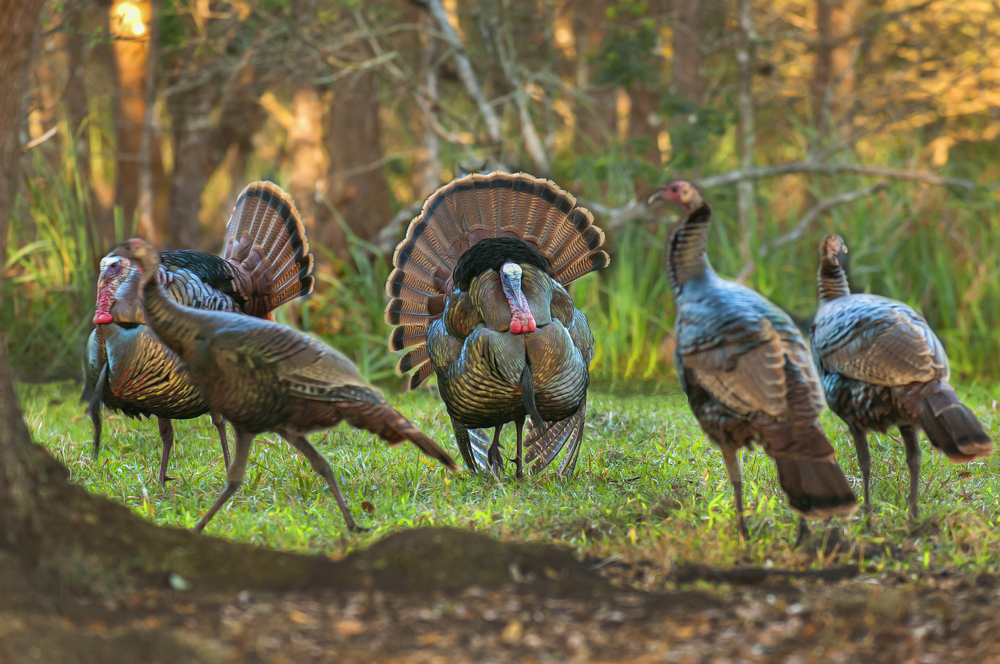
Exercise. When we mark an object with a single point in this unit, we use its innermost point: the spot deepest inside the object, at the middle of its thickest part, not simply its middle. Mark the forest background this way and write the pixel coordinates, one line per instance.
(875, 119)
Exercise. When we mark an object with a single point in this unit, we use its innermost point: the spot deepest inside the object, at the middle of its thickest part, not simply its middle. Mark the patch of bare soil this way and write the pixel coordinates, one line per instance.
(437, 595)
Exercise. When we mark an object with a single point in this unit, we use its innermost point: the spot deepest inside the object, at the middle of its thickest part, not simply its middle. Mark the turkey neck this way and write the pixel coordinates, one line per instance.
(832, 281)
(687, 258)
(172, 324)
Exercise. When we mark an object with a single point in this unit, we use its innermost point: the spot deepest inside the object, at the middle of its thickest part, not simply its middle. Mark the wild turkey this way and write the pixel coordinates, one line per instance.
(747, 373)
(262, 376)
(265, 263)
(882, 366)
(479, 289)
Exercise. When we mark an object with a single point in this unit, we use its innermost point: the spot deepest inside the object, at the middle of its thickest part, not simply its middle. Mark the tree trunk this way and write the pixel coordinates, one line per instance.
(746, 137)
(356, 182)
(75, 98)
(193, 162)
(147, 226)
(132, 46)
(687, 60)
(309, 163)
(427, 173)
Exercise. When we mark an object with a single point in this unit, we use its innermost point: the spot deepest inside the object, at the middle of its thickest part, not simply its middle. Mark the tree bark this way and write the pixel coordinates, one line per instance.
(356, 183)
(193, 163)
(687, 60)
(746, 137)
(309, 163)
(131, 64)
(75, 99)
(147, 226)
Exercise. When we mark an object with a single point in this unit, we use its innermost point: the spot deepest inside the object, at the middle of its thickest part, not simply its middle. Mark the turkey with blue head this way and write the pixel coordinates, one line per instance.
(883, 366)
(747, 373)
(479, 291)
(265, 263)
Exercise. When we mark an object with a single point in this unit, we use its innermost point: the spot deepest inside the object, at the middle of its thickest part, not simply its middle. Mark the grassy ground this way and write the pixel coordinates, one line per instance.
(650, 490)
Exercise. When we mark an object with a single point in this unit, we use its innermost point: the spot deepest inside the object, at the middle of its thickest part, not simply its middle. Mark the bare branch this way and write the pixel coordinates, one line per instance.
(614, 218)
(388, 237)
(465, 69)
(758, 172)
(817, 210)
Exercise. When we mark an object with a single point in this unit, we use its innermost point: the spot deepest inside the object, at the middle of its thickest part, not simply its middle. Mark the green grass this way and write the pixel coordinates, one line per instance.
(649, 486)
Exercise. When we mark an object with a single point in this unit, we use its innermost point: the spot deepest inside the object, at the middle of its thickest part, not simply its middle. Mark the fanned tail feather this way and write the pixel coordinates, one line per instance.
(265, 236)
(465, 212)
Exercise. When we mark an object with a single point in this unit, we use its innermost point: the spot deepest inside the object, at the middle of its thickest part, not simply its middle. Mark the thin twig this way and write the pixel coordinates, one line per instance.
(758, 172)
(465, 72)
(817, 210)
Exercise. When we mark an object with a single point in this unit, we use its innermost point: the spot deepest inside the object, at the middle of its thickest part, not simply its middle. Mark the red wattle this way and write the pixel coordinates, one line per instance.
(515, 326)
(102, 317)
(531, 324)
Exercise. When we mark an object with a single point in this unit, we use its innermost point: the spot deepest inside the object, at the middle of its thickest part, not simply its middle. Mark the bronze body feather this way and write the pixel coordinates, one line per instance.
(265, 262)
(479, 292)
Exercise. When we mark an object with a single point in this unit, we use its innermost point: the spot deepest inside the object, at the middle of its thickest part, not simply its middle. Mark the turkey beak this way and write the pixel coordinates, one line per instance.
(656, 196)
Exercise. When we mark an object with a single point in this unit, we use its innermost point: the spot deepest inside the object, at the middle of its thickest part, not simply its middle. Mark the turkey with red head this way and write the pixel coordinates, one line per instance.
(747, 373)
(265, 262)
(883, 366)
(480, 290)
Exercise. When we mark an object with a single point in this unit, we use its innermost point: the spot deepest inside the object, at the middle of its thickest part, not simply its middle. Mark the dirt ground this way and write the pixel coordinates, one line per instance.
(549, 607)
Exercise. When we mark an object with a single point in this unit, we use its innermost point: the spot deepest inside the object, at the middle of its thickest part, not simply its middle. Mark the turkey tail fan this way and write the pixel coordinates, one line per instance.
(391, 426)
(544, 443)
(266, 237)
(467, 211)
(952, 427)
(816, 489)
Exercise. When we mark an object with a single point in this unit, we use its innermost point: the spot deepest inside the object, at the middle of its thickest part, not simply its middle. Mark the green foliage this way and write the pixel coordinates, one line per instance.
(628, 52)
(649, 486)
(50, 273)
(693, 129)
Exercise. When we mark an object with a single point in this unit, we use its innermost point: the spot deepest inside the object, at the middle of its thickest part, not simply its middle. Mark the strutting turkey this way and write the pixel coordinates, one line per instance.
(479, 289)
(882, 366)
(262, 376)
(265, 263)
(747, 373)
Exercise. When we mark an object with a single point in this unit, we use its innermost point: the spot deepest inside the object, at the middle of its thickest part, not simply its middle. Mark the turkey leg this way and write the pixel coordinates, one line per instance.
(736, 477)
(864, 462)
(235, 476)
(94, 409)
(166, 427)
(912, 446)
(323, 469)
(220, 424)
(519, 459)
(493, 456)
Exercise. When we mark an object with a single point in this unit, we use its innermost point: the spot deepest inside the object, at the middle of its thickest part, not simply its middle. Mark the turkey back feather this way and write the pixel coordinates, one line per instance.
(555, 235)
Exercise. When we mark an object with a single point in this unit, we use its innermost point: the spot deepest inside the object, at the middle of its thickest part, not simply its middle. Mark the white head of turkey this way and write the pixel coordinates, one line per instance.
(883, 366)
(747, 373)
(479, 290)
(263, 376)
